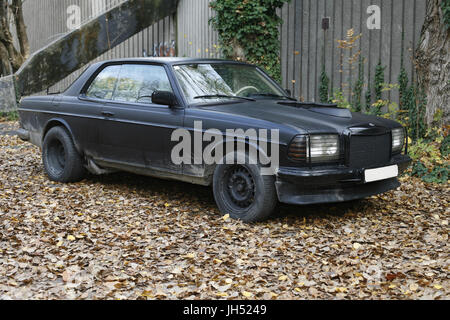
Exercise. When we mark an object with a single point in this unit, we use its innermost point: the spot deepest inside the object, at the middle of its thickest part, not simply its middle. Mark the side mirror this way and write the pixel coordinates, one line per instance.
(166, 98)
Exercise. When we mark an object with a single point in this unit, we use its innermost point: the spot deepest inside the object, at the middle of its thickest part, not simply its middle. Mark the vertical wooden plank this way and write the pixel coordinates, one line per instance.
(284, 45)
(346, 75)
(204, 32)
(290, 78)
(331, 43)
(305, 49)
(180, 30)
(366, 45)
(396, 45)
(357, 26)
(161, 35)
(386, 40)
(375, 46)
(150, 41)
(320, 46)
(298, 50)
(408, 27)
(145, 41)
(337, 35)
(188, 32)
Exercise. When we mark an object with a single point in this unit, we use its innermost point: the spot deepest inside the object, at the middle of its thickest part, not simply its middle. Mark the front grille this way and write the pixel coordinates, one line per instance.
(370, 151)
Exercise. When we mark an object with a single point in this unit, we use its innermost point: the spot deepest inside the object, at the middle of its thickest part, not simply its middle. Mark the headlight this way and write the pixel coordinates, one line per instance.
(398, 140)
(315, 148)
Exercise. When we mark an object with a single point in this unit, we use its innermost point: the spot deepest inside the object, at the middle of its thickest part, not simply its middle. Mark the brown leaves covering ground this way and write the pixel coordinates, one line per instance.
(128, 237)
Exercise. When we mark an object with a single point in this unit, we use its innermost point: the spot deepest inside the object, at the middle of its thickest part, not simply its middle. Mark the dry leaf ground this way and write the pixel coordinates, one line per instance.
(127, 237)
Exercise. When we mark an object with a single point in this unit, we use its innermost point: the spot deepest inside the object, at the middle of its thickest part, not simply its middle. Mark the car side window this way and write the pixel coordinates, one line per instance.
(138, 82)
(104, 84)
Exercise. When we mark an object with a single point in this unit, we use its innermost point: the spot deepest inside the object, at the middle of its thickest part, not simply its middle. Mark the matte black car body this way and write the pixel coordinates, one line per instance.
(137, 137)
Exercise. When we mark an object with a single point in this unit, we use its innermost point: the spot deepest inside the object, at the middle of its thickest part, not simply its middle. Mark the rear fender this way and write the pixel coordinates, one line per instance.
(57, 122)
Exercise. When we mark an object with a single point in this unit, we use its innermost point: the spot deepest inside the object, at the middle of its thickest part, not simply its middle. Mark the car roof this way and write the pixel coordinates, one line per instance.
(78, 84)
(170, 61)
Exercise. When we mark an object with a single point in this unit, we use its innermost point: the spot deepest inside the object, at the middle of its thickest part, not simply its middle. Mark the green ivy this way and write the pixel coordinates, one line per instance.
(403, 77)
(357, 106)
(415, 102)
(439, 174)
(379, 81)
(254, 27)
(9, 116)
(445, 147)
(368, 97)
(446, 12)
(324, 87)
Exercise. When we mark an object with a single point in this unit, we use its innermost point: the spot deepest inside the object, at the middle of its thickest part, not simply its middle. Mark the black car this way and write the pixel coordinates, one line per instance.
(216, 123)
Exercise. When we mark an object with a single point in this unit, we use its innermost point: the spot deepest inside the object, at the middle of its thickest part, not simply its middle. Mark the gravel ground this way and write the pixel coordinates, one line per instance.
(127, 237)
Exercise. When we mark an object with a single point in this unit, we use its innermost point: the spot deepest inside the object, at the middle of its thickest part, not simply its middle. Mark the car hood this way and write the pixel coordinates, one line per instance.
(311, 118)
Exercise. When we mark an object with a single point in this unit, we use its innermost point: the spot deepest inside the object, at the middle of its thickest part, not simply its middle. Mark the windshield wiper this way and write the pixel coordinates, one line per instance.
(272, 95)
(213, 96)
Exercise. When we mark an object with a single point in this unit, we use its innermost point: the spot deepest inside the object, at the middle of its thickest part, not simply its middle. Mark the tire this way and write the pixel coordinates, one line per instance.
(62, 161)
(255, 202)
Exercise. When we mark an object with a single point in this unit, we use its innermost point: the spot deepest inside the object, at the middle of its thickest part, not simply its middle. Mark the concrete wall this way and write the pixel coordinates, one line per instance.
(7, 94)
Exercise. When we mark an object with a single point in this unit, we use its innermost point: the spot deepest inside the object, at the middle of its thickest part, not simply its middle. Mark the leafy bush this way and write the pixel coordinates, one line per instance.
(431, 156)
(341, 101)
(9, 116)
(430, 149)
(445, 147)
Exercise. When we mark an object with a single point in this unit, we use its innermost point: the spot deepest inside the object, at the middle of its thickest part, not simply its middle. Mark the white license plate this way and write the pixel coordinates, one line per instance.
(379, 174)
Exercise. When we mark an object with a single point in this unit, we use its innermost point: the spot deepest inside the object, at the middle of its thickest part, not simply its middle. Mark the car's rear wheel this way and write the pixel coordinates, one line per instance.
(243, 193)
(61, 160)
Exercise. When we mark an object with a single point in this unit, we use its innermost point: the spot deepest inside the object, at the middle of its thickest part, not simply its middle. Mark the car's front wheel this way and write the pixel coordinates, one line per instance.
(61, 160)
(243, 193)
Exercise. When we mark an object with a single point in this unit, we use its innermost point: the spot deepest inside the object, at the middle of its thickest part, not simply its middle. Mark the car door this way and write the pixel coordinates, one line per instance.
(88, 106)
(137, 132)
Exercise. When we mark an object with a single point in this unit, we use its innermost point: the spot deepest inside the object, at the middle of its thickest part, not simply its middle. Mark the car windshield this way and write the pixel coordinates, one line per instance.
(217, 82)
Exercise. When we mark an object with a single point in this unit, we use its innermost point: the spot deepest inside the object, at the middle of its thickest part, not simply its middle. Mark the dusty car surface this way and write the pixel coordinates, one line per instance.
(130, 114)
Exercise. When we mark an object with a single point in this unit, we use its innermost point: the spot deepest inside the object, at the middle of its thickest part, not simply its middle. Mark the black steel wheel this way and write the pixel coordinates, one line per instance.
(243, 193)
(240, 186)
(61, 160)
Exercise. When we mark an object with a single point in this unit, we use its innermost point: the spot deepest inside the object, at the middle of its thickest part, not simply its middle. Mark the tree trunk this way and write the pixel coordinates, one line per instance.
(5, 65)
(21, 29)
(433, 62)
(8, 53)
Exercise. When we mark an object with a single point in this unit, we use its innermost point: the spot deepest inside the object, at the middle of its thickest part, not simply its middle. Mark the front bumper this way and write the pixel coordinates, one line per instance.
(302, 186)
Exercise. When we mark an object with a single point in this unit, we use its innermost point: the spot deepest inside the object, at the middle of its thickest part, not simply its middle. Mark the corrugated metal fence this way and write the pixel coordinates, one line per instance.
(195, 36)
(47, 20)
(304, 45)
